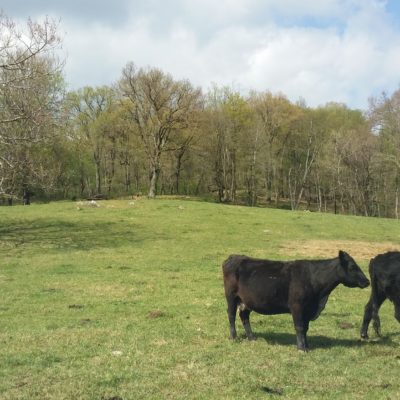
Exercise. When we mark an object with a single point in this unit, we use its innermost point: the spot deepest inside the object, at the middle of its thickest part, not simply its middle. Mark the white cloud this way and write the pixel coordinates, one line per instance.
(344, 62)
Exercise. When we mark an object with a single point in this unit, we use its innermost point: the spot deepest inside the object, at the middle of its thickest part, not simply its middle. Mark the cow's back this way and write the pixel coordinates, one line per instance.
(385, 264)
(384, 270)
(241, 267)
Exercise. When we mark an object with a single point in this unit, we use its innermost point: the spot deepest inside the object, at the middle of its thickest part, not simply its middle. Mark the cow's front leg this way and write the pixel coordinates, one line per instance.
(306, 324)
(301, 327)
(244, 314)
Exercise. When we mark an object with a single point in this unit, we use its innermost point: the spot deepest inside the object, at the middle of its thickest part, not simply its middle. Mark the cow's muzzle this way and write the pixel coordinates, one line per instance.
(364, 284)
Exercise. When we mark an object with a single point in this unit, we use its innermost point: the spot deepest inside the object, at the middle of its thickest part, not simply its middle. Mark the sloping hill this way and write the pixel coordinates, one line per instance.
(124, 299)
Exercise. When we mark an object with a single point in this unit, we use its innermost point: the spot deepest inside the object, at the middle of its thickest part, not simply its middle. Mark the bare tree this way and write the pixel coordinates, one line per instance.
(31, 88)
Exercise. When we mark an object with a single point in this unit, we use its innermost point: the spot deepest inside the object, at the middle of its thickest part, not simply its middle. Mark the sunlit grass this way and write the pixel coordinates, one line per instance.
(126, 300)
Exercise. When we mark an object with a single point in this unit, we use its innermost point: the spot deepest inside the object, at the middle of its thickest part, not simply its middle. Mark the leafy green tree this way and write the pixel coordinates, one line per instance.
(228, 123)
(384, 117)
(276, 120)
(160, 107)
(88, 109)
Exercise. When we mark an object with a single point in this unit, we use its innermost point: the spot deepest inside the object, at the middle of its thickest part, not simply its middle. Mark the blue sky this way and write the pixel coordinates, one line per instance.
(393, 8)
(331, 50)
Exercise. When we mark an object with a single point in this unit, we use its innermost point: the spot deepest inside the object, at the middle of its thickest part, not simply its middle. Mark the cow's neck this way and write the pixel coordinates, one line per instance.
(326, 276)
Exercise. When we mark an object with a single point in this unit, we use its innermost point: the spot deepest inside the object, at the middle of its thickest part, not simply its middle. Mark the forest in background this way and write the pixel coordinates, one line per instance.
(151, 134)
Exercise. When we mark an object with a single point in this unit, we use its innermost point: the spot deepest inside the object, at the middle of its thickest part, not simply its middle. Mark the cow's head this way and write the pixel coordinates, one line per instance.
(353, 276)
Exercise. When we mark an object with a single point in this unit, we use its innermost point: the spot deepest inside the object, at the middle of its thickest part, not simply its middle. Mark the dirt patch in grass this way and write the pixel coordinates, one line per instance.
(76, 306)
(111, 398)
(330, 248)
(156, 314)
(345, 325)
(273, 391)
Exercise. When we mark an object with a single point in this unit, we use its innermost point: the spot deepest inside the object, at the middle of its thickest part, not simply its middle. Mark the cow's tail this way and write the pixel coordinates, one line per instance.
(230, 270)
(230, 266)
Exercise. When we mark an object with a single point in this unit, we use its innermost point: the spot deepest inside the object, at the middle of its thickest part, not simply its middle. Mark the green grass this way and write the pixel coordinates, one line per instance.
(126, 301)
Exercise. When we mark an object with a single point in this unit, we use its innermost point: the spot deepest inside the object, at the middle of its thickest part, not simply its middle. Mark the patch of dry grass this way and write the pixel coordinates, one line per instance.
(359, 250)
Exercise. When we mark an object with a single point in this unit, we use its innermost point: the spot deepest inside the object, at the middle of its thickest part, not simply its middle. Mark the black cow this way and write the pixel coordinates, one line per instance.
(298, 287)
(384, 271)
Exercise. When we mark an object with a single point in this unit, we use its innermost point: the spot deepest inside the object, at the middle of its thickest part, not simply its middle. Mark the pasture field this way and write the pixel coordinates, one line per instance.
(125, 301)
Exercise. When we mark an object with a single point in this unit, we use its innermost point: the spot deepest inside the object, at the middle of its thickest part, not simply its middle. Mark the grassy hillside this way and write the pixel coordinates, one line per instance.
(125, 301)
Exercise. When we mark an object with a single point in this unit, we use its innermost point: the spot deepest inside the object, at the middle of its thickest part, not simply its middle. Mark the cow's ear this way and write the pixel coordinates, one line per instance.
(343, 258)
(370, 263)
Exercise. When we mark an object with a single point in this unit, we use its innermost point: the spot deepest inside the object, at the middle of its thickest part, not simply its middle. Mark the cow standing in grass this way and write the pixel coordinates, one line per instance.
(384, 271)
(298, 287)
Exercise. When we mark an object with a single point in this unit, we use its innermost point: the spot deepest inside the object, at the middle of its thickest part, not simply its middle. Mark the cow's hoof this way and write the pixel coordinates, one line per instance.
(364, 337)
(377, 330)
(375, 339)
(303, 351)
(252, 337)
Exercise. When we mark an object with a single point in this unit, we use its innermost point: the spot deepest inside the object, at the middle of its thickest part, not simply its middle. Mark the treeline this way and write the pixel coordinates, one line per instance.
(152, 134)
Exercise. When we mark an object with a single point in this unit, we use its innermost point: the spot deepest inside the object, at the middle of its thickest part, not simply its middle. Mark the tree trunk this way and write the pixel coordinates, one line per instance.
(178, 167)
(219, 170)
(233, 177)
(98, 173)
(253, 181)
(292, 190)
(154, 174)
(127, 178)
(26, 197)
(111, 171)
(98, 178)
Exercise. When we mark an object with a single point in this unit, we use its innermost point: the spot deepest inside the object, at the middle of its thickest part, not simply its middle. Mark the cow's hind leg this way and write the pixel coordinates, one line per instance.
(372, 309)
(371, 312)
(301, 327)
(367, 319)
(244, 314)
(233, 302)
(375, 316)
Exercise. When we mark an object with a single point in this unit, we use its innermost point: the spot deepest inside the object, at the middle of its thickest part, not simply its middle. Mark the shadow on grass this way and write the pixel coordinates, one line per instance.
(322, 342)
(59, 234)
